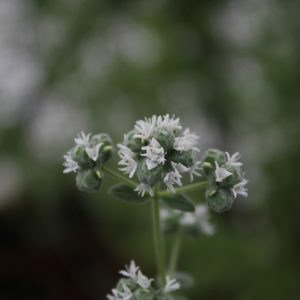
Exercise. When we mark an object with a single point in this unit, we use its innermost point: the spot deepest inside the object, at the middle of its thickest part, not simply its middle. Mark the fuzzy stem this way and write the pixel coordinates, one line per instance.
(175, 254)
(187, 188)
(158, 242)
(119, 177)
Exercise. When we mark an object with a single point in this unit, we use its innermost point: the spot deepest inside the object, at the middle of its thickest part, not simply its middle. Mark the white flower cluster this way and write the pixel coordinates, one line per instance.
(127, 291)
(91, 149)
(222, 172)
(158, 149)
(199, 221)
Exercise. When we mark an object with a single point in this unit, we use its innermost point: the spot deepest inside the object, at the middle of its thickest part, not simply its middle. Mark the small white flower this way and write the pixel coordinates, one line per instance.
(221, 173)
(143, 281)
(145, 128)
(240, 189)
(127, 160)
(171, 285)
(143, 188)
(117, 295)
(194, 170)
(83, 139)
(155, 154)
(93, 151)
(180, 167)
(169, 122)
(232, 160)
(188, 141)
(70, 164)
(130, 271)
(171, 179)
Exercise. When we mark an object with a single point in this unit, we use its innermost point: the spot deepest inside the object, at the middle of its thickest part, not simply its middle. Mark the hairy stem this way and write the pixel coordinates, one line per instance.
(187, 188)
(158, 241)
(119, 177)
(175, 254)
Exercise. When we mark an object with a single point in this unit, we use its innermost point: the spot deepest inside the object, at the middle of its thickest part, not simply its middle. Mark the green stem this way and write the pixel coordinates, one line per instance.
(157, 234)
(119, 177)
(175, 255)
(187, 188)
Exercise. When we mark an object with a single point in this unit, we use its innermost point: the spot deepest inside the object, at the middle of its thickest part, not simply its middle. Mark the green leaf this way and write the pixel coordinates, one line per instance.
(127, 193)
(180, 202)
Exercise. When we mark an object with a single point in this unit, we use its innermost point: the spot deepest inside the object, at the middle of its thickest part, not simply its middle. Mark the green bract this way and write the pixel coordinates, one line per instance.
(88, 180)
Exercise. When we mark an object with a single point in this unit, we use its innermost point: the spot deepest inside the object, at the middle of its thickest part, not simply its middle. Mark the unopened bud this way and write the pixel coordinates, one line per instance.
(88, 180)
(165, 137)
(220, 200)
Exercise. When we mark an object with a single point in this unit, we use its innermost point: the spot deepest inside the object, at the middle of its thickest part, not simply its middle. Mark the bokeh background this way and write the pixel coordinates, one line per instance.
(229, 69)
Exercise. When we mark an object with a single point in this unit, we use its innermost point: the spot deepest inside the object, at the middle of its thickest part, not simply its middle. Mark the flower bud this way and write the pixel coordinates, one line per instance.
(219, 200)
(88, 180)
(107, 147)
(149, 177)
(79, 154)
(185, 157)
(165, 137)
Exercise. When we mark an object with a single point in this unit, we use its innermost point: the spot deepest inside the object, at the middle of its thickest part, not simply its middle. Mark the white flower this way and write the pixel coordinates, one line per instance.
(187, 142)
(169, 122)
(127, 160)
(70, 164)
(145, 128)
(136, 275)
(117, 295)
(93, 151)
(232, 160)
(83, 139)
(194, 170)
(180, 167)
(240, 189)
(171, 285)
(143, 281)
(221, 173)
(173, 178)
(155, 154)
(130, 271)
(144, 188)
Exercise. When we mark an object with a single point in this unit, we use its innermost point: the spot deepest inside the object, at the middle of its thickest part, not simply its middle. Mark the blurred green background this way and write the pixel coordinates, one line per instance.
(229, 69)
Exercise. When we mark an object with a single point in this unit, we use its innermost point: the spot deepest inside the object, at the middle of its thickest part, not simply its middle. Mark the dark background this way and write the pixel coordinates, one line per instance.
(229, 69)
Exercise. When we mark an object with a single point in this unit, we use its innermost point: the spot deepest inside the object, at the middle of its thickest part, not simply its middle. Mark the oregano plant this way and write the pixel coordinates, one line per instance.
(156, 158)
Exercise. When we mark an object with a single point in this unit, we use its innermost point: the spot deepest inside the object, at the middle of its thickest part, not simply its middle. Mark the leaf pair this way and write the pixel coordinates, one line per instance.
(174, 201)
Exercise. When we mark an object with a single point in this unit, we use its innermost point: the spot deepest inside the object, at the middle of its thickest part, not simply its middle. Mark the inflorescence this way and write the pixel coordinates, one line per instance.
(159, 150)
(136, 286)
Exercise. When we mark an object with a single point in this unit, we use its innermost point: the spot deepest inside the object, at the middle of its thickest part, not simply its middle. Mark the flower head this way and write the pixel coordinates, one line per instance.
(159, 150)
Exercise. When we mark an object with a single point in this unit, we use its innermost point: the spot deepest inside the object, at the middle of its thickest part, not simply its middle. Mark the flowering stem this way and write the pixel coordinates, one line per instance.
(187, 188)
(119, 177)
(175, 254)
(158, 243)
